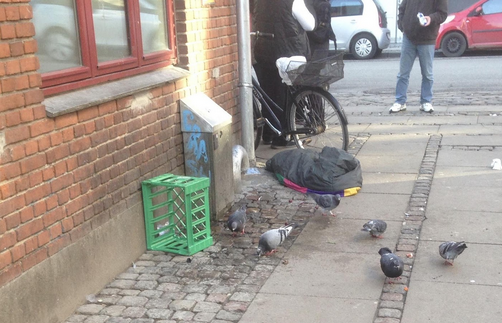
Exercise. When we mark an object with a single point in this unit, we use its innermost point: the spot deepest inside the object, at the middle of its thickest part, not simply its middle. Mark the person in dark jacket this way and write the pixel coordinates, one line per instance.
(288, 21)
(419, 39)
(319, 37)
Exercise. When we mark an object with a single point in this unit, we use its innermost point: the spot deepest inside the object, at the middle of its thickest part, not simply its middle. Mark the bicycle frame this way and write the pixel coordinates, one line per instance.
(267, 102)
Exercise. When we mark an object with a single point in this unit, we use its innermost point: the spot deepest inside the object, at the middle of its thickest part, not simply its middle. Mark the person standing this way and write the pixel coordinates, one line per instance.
(288, 21)
(419, 39)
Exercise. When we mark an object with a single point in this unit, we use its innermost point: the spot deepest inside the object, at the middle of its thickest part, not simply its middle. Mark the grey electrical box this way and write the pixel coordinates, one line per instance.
(207, 130)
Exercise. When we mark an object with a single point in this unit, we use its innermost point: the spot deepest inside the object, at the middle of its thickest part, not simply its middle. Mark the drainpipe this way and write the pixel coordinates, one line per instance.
(245, 81)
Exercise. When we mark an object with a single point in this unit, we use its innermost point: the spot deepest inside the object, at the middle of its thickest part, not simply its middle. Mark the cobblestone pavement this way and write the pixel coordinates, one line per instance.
(440, 99)
(393, 298)
(219, 283)
(214, 285)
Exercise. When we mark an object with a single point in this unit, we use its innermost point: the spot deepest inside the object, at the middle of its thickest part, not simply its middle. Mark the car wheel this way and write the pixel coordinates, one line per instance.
(59, 45)
(363, 46)
(453, 44)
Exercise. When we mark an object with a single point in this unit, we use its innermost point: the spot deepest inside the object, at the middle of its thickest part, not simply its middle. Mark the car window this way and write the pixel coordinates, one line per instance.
(383, 13)
(459, 5)
(491, 7)
(346, 8)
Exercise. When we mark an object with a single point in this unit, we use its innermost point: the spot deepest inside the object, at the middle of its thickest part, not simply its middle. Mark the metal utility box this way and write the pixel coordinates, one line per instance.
(207, 130)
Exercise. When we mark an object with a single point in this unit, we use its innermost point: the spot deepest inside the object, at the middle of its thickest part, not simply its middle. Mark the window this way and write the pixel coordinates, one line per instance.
(346, 8)
(84, 42)
(492, 7)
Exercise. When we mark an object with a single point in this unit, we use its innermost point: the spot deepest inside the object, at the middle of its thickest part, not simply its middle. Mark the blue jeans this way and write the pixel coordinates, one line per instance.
(409, 52)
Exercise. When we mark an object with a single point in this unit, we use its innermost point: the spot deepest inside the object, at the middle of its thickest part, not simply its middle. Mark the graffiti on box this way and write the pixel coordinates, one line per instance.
(196, 157)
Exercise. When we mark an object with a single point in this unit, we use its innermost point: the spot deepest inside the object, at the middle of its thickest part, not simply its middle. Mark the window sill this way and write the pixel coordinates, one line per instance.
(77, 100)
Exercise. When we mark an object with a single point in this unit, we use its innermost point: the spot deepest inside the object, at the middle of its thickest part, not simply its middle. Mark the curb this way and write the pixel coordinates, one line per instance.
(393, 297)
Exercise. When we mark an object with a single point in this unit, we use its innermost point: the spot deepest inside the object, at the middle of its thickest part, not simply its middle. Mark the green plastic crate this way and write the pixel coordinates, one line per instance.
(177, 217)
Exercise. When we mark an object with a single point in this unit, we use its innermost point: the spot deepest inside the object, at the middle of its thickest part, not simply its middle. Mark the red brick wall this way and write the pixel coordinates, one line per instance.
(61, 178)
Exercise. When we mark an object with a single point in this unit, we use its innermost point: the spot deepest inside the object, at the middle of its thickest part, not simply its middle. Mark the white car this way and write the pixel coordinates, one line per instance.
(57, 32)
(360, 27)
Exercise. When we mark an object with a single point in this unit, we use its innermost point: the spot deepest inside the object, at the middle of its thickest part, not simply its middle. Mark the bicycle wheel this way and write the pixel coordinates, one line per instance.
(258, 122)
(316, 120)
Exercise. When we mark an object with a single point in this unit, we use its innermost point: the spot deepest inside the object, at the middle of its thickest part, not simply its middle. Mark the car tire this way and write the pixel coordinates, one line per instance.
(363, 46)
(453, 44)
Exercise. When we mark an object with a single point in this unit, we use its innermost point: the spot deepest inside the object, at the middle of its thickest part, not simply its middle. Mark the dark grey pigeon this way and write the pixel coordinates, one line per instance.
(392, 265)
(270, 240)
(450, 250)
(327, 202)
(375, 227)
(237, 220)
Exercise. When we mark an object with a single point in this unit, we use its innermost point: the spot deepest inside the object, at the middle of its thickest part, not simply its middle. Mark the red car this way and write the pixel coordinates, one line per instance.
(477, 27)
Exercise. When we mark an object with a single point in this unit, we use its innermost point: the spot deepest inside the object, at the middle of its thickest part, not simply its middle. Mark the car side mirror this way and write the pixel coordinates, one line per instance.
(478, 11)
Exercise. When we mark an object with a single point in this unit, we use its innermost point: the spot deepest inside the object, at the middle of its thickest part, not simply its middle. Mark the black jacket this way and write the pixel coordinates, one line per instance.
(290, 39)
(408, 22)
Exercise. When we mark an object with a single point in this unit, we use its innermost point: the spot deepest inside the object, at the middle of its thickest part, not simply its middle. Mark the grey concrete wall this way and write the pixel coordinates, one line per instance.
(53, 289)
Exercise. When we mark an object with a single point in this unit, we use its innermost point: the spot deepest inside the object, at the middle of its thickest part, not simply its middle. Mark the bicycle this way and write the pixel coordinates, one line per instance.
(315, 118)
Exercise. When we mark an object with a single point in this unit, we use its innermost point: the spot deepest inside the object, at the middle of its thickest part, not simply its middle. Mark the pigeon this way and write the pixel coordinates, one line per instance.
(237, 220)
(327, 202)
(392, 266)
(450, 250)
(270, 240)
(375, 227)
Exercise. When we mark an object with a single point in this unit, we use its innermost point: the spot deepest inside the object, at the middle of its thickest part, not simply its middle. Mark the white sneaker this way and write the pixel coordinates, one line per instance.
(396, 107)
(426, 107)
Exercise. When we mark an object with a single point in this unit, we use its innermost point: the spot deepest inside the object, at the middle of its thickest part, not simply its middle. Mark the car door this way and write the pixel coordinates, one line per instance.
(346, 15)
(486, 26)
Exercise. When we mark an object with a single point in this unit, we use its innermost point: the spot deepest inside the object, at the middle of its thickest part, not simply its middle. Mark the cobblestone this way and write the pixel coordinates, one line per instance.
(220, 282)
(389, 312)
(217, 285)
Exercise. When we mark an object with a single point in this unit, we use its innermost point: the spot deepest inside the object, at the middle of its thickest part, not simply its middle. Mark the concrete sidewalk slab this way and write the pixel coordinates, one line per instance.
(345, 235)
(479, 264)
(395, 145)
(366, 206)
(495, 119)
(475, 129)
(402, 129)
(310, 272)
(383, 118)
(479, 227)
(355, 128)
(477, 109)
(466, 140)
(393, 154)
(468, 176)
(466, 158)
(452, 303)
(267, 308)
(444, 120)
(388, 183)
(452, 198)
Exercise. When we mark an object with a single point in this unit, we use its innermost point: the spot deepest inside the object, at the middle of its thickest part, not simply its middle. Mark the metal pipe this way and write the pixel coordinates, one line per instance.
(240, 161)
(245, 81)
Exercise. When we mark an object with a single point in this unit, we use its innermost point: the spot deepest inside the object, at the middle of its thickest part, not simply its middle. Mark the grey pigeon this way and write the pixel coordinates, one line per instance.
(270, 240)
(392, 266)
(237, 220)
(327, 202)
(375, 227)
(450, 250)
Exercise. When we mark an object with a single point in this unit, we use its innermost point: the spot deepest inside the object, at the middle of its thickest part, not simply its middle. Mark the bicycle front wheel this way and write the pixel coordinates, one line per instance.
(316, 120)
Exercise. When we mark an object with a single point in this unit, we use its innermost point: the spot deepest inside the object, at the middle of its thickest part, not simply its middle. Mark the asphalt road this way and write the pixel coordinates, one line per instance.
(473, 72)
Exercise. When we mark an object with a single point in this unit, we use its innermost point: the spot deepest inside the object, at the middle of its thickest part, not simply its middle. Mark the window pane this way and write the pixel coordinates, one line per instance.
(110, 29)
(153, 25)
(56, 33)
